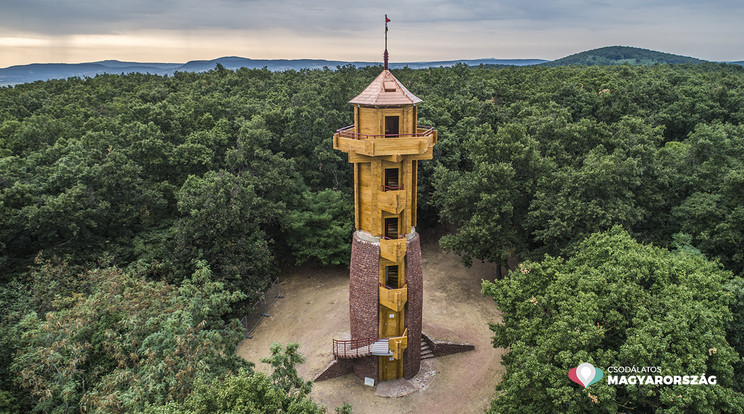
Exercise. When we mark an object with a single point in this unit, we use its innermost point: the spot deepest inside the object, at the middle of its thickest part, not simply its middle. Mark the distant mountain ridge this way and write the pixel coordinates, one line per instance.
(45, 71)
(611, 55)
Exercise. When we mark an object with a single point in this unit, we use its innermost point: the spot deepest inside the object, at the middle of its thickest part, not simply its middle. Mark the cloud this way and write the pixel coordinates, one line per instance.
(422, 30)
(91, 16)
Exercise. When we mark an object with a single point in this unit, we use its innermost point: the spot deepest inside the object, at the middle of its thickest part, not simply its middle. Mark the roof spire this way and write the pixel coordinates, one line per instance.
(385, 55)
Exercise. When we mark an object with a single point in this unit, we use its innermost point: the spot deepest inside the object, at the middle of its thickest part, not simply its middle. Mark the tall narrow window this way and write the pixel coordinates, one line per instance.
(391, 228)
(392, 126)
(392, 180)
(391, 276)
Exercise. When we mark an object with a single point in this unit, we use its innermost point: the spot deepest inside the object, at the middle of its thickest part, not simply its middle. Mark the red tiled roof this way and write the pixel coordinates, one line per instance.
(385, 90)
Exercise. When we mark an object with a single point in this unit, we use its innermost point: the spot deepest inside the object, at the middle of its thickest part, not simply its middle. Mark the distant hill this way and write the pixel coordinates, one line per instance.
(45, 71)
(612, 55)
(125, 65)
(472, 62)
(618, 55)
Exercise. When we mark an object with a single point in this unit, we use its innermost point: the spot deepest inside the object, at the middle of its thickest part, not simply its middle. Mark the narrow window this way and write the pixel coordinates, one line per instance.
(392, 126)
(392, 179)
(391, 228)
(391, 276)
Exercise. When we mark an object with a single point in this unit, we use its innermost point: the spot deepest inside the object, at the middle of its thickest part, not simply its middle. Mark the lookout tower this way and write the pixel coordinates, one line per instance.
(386, 281)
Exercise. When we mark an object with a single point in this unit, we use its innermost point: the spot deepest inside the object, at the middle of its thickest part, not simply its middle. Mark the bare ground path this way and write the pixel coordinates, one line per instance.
(315, 309)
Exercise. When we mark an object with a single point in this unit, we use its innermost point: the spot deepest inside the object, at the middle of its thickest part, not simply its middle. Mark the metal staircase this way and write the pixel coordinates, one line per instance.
(362, 347)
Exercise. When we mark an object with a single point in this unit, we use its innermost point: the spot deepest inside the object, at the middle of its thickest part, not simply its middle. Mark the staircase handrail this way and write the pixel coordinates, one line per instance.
(353, 348)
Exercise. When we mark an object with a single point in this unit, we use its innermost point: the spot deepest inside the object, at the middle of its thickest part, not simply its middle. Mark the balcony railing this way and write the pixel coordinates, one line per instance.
(393, 298)
(393, 249)
(419, 143)
(392, 187)
(421, 131)
(393, 201)
(359, 348)
(353, 348)
(398, 344)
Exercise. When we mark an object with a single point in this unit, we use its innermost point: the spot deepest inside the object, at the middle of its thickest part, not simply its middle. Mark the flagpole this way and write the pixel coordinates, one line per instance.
(385, 55)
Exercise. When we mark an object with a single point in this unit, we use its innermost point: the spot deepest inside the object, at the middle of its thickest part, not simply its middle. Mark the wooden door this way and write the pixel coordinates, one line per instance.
(390, 323)
(390, 368)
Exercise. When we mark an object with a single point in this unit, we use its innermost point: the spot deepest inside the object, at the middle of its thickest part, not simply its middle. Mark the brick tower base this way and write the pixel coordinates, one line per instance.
(363, 300)
(363, 309)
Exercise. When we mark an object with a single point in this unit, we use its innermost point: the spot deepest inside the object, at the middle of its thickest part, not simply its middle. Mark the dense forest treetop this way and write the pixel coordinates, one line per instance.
(119, 185)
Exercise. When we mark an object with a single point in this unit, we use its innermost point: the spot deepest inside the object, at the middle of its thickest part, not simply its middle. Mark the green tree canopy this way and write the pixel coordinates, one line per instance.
(616, 302)
(253, 392)
(321, 229)
(129, 344)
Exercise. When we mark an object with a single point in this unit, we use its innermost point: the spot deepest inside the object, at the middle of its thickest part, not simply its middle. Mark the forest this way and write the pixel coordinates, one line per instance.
(140, 215)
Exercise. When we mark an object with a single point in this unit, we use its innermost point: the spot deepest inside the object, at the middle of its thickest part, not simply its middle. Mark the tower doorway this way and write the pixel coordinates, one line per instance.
(392, 126)
(390, 368)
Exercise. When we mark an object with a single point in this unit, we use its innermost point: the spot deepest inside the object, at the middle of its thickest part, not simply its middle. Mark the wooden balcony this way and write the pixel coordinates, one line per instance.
(392, 201)
(393, 299)
(418, 143)
(393, 249)
(398, 345)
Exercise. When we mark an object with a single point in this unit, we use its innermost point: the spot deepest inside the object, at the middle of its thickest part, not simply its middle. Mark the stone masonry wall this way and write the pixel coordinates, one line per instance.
(441, 348)
(336, 368)
(363, 299)
(414, 307)
(367, 367)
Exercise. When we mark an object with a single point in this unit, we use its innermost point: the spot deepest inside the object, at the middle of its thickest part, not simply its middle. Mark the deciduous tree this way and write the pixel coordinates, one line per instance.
(618, 303)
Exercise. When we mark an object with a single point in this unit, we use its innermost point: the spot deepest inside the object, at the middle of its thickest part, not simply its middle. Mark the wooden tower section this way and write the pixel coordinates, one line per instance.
(386, 280)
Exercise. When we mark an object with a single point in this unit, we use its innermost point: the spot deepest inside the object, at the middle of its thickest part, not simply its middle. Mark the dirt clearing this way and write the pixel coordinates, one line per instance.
(315, 309)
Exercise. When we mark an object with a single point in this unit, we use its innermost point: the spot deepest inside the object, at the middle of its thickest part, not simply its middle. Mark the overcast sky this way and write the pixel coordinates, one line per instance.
(183, 30)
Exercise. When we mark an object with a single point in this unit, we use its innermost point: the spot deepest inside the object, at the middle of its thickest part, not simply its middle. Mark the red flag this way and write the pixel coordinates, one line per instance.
(386, 19)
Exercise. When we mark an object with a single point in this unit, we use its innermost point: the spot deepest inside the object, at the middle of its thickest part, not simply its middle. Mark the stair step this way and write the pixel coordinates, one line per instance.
(426, 351)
